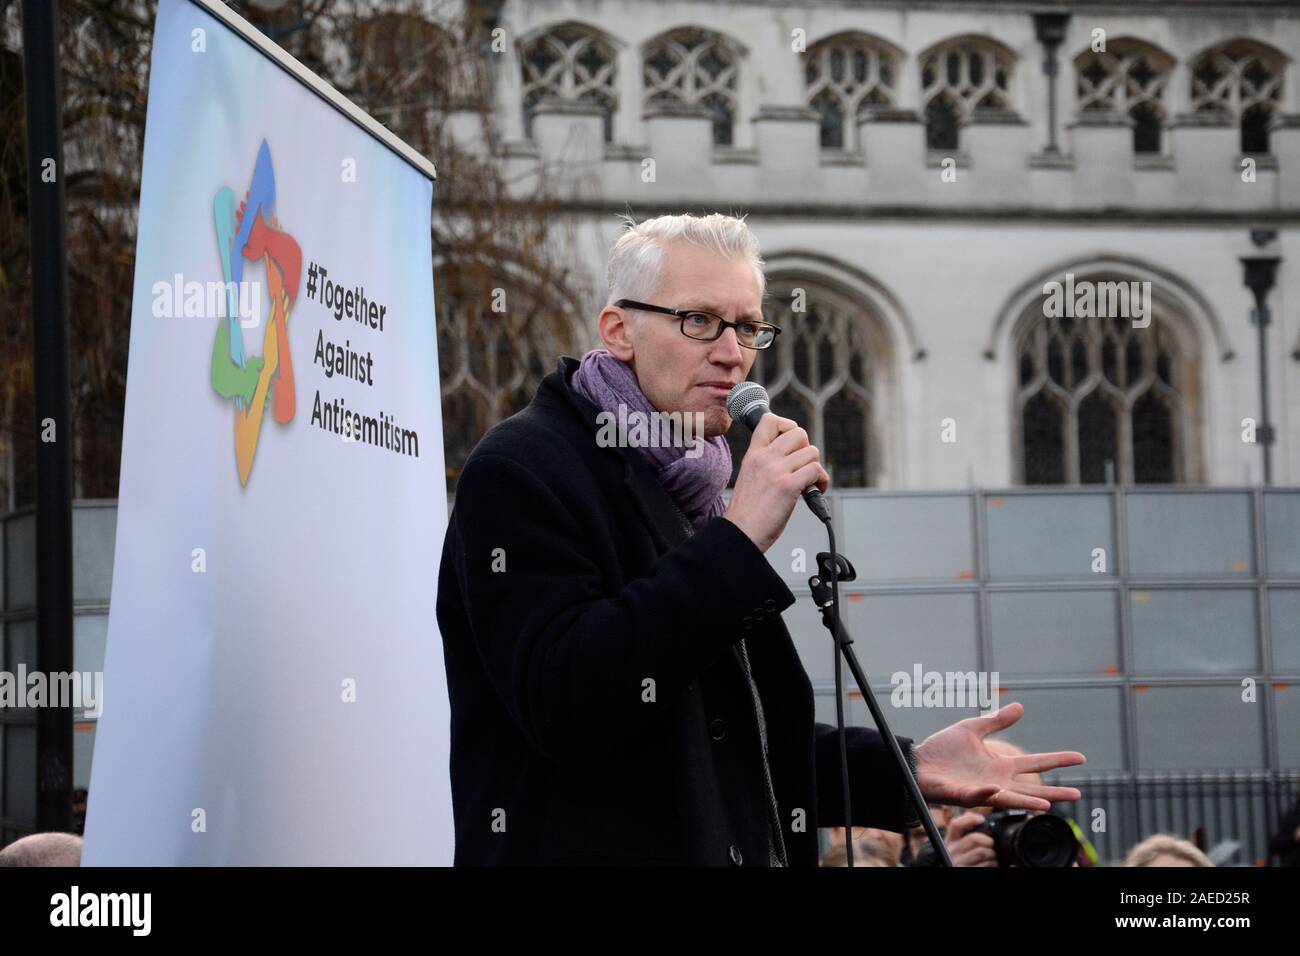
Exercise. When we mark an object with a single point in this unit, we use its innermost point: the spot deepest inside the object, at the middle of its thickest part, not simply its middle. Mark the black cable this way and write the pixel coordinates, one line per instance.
(839, 695)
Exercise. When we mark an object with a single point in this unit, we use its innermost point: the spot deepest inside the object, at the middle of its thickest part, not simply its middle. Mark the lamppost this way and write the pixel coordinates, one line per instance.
(1050, 30)
(1259, 276)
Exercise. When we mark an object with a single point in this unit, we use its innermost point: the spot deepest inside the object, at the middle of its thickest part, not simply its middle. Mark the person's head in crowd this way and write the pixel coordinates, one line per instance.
(865, 853)
(43, 849)
(916, 836)
(883, 845)
(835, 835)
(1166, 850)
(710, 263)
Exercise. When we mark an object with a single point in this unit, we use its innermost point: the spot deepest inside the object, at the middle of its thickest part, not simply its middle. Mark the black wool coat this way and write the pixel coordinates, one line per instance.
(598, 713)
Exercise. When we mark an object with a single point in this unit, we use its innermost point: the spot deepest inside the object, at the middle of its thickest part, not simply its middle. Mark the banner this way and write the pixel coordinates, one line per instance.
(274, 690)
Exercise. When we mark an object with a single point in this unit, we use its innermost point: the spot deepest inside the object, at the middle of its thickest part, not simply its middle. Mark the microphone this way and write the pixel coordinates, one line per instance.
(748, 402)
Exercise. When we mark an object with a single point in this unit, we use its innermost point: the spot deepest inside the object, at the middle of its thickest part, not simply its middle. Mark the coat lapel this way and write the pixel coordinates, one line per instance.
(656, 508)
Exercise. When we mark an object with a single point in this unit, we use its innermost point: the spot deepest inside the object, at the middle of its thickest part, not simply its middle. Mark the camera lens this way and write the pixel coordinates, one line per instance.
(1045, 840)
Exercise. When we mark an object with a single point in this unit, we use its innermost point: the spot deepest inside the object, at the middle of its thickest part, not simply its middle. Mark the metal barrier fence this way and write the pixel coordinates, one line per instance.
(1209, 809)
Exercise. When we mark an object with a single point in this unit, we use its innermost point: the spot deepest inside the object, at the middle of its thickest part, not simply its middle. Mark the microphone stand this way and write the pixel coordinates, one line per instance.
(825, 592)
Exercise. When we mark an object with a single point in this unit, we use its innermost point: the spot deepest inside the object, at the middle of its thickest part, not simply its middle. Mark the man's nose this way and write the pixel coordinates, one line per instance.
(726, 349)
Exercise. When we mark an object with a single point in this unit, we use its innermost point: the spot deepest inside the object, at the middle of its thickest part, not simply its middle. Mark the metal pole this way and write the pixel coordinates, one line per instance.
(50, 364)
(1260, 273)
(1050, 30)
(1266, 427)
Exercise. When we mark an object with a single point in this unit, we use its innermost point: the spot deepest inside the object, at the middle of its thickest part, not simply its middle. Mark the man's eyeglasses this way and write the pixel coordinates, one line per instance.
(708, 326)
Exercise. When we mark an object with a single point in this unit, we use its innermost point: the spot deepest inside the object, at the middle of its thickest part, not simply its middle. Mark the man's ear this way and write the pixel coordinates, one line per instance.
(616, 331)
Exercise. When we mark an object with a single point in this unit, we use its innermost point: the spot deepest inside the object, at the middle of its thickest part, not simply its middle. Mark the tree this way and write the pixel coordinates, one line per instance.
(418, 67)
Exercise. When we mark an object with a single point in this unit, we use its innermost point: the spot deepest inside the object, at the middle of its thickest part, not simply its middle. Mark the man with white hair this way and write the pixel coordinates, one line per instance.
(622, 687)
(43, 849)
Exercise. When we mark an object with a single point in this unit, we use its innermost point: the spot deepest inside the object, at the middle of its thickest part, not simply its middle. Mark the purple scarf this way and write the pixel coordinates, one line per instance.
(695, 484)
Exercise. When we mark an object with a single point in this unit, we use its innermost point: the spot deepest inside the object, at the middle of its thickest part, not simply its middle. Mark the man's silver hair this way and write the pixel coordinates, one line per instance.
(637, 256)
(43, 849)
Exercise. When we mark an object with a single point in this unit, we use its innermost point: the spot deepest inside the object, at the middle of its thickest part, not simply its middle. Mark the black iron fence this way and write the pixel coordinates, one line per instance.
(1230, 815)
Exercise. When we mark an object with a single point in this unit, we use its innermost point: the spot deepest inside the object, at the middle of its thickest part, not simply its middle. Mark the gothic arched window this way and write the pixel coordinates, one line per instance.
(958, 77)
(1128, 78)
(1099, 400)
(823, 371)
(571, 62)
(846, 76)
(490, 362)
(1243, 80)
(692, 66)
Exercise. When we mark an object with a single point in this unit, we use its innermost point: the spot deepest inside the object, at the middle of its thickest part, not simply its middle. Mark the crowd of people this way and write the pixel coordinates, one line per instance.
(965, 832)
(969, 841)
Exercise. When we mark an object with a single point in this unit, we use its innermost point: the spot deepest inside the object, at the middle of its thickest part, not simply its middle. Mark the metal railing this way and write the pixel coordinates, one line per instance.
(1209, 809)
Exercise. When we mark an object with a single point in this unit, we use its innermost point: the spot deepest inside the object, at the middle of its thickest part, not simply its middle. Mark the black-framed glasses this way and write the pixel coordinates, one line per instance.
(709, 326)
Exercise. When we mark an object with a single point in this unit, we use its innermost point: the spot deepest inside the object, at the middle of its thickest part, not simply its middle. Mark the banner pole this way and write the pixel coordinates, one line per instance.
(45, 172)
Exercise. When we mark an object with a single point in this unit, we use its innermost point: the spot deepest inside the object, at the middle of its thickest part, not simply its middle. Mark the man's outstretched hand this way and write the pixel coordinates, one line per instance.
(953, 766)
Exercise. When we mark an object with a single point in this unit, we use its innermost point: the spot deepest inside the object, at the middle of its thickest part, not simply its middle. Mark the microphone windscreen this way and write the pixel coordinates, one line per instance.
(748, 402)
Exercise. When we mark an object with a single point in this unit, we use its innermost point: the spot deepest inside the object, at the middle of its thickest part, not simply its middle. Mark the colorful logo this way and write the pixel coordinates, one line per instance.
(252, 232)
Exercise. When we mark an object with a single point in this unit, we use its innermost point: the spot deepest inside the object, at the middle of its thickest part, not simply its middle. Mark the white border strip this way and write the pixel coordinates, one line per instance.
(317, 85)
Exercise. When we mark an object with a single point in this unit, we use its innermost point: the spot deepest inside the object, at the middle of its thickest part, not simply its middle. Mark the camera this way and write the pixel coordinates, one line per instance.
(1023, 840)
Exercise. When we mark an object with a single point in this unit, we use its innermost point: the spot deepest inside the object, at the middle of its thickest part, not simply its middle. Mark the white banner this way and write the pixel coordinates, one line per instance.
(274, 690)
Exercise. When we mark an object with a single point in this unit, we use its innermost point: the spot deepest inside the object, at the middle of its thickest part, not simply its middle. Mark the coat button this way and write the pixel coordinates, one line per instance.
(769, 605)
(747, 622)
(736, 858)
(717, 729)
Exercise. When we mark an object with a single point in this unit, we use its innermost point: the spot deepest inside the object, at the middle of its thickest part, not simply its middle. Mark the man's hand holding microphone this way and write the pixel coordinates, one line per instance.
(780, 467)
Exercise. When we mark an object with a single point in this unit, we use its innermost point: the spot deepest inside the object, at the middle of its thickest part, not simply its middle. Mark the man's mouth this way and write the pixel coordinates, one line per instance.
(717, 389)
